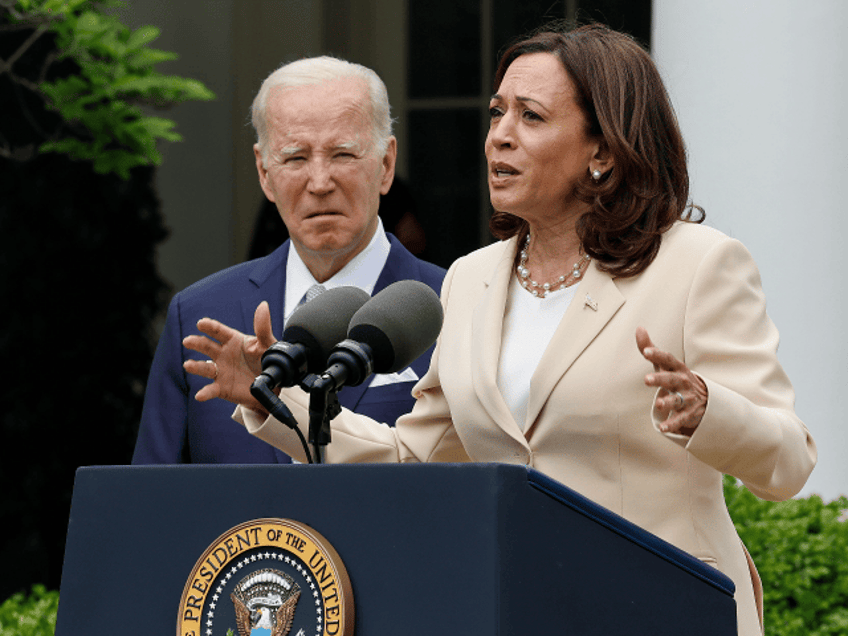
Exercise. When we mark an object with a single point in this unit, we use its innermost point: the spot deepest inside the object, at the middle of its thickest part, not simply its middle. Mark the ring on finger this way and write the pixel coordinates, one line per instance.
(216, 368)
(679, 402)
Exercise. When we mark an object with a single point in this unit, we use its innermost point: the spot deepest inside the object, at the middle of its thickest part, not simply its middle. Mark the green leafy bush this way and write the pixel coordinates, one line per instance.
(33, 615)
(800, 547)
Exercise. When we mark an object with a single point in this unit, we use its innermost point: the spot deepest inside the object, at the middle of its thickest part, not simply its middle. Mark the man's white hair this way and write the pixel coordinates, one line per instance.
(315, 70)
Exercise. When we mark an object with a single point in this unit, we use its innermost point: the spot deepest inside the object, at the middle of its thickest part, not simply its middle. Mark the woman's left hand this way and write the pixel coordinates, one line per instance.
(683, 395)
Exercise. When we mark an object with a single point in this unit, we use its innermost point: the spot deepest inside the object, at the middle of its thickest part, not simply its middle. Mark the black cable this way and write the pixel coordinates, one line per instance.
(275, 406)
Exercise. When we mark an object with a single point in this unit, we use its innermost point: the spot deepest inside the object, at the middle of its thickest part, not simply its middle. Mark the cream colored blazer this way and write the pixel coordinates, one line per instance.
(589, 421)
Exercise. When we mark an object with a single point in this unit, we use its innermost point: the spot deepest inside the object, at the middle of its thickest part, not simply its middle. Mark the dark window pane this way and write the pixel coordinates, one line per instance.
(629, 16)
(513, 20)
(444, 48)
(446, 155)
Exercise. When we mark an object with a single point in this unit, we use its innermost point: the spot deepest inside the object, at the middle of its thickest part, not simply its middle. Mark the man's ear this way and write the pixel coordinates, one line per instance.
(263, 173)
(389, 160)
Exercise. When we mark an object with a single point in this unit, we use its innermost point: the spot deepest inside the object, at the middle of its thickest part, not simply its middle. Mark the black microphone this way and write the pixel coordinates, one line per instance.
(310, 334)
(386, 334)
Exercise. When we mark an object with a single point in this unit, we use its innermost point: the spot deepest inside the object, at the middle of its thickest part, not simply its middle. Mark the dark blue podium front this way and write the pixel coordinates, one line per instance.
(430, 549)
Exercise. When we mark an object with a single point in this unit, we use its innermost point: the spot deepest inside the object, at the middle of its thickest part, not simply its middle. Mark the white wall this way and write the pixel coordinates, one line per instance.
(207, 183)
(761, 90)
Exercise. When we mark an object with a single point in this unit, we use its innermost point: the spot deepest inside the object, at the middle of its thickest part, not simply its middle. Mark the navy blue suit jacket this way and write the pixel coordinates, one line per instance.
(176, 428)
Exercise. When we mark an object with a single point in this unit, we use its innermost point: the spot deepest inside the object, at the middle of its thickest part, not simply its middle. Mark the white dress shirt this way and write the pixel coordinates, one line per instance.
(362, 271)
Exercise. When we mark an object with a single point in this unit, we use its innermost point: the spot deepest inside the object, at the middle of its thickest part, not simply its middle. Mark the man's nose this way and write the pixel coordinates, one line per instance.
(320, 178)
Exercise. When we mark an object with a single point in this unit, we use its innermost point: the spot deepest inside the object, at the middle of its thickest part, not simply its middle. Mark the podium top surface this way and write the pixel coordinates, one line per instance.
(435, 473)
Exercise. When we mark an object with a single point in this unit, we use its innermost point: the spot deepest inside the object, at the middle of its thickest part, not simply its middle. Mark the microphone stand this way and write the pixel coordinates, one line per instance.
(323, 407)
(350, 362)
(261, 390)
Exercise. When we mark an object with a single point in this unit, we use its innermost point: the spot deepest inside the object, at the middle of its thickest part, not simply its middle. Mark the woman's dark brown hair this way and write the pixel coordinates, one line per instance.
(625, 102)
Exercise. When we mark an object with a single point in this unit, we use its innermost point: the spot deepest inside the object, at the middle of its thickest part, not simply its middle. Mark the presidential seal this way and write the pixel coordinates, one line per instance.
(267, 577)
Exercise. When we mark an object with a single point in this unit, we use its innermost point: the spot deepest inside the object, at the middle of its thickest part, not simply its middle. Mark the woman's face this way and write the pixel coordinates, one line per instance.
(538, 146)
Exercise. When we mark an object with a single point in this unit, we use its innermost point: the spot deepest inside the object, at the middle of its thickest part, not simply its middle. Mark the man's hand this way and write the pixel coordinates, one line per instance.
(234, 358)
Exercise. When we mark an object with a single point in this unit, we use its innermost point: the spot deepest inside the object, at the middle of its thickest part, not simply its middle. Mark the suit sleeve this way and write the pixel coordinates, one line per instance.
(750, 429)
(162, 432)
(425, 434)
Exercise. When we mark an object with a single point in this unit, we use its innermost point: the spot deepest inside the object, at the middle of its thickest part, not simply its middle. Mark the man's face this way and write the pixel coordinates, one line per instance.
(322, 170)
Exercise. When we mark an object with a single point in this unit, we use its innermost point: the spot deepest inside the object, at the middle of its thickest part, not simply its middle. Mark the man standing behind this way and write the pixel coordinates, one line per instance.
(324, 153)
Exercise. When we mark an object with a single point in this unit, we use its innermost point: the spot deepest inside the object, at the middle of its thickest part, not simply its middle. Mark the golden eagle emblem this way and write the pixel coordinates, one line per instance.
(265, 602)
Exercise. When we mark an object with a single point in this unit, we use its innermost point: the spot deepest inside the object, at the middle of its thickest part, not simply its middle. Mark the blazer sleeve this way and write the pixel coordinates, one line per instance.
(425, 434)
(162, 432)
(750, 429)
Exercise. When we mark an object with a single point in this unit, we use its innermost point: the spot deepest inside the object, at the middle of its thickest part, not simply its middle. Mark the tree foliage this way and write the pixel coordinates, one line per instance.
(107, 78)
(79, 224)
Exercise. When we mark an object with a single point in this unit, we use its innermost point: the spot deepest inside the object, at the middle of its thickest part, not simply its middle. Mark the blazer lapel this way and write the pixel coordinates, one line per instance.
(486, 335)
(596, 301)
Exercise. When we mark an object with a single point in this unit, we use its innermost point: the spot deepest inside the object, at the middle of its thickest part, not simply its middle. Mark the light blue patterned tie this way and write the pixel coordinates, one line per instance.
(311, 293)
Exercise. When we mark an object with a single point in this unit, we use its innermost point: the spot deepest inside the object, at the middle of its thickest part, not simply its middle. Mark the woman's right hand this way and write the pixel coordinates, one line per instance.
(234, 358)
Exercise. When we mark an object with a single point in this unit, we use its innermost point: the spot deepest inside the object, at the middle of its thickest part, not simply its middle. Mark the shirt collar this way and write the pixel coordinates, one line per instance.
(362, 271)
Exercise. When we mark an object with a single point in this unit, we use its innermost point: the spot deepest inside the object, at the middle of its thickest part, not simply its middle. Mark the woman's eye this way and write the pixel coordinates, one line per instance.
(494, 112)
(531, 116)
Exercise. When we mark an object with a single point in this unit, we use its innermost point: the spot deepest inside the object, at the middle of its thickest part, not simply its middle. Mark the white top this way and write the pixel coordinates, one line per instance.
(362, 271)
(528, 326)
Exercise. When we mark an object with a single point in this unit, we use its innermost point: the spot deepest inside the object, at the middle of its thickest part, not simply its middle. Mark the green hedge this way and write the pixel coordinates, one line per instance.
(33, 615)
(800, 548)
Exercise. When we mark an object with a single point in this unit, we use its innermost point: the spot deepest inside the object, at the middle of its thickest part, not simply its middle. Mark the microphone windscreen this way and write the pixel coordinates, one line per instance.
(399, 324)
(322, 323)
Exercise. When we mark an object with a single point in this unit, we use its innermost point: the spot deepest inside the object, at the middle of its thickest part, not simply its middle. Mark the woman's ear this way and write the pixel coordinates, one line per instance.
(602, 161)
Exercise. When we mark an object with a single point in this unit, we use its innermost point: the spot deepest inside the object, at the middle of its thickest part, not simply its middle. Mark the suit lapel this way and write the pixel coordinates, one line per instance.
(400, 265)
(486, 335)
(596, 301)
(268, 277)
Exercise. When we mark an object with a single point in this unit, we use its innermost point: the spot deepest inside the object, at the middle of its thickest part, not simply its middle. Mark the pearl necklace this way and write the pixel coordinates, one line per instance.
(546, 288)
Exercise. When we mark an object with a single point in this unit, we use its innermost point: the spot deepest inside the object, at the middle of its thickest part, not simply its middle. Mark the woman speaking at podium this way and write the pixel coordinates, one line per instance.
(608, 339)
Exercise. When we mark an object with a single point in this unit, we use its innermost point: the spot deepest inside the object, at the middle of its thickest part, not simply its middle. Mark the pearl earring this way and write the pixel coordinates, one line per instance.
(597, 174)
